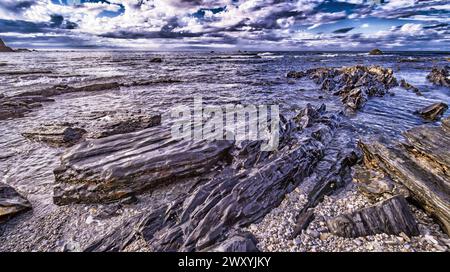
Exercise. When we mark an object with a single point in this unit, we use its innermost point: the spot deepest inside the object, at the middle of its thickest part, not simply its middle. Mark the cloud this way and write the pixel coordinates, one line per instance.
(251, 24)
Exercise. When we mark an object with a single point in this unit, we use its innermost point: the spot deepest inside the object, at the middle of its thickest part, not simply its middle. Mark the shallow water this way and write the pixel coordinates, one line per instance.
(219, 78)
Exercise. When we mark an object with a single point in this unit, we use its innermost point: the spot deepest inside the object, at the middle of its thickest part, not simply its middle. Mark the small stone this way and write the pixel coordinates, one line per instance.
(324, 236)
(89, 219)
(358, 242)
(313, 233)
(405, 237)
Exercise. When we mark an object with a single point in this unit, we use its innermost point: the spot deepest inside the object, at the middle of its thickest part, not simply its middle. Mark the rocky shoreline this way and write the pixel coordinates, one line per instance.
(322, 190)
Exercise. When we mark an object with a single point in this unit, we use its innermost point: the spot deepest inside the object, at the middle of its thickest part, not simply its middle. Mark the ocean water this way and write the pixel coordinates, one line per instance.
(219, 78)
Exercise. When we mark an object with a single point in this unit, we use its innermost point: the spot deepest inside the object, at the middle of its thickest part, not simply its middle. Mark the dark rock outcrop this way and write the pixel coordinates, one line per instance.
(11, 202)
(7, 49)
(156, 60)
(391, 216)
(18, 105)
(353, 84)
(375, 51)
(439, 76)
(121, 124)
(421, 164)
(295, 74)
(96, 126)
(409, 87)
(14, 107)
(56, 135)
(4, 48)
(63, 89)
(118, 166)
(433, 112)
(249, 184)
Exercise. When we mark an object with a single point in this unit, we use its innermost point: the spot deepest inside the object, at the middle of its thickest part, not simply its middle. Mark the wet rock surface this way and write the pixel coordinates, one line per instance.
(107, 124)
(92, 126)
(391, 216)
(439, 76)
(56, 135)
(434, 111)
(15, 107)
(421, 164)
(353, 84)
(18, 105)
(245, 190)
(11, 202)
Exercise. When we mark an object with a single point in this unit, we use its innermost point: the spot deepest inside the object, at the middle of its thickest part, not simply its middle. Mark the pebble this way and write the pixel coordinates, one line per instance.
(317, 238)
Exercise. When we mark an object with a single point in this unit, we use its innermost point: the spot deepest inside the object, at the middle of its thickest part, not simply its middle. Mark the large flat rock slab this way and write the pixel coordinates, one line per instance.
(421, 164)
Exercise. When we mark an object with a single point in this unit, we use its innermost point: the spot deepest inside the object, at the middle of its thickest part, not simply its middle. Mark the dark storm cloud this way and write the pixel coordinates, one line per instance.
(56, 23)
(149, 35)
(343, 30)
(16, 6)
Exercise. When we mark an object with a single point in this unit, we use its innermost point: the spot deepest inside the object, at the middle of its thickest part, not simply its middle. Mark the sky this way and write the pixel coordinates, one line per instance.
(299, 25)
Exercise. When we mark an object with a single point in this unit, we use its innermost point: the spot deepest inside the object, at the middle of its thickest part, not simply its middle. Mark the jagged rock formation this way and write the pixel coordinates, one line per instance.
(7, 49)
(4, 48)
(410, 87)
(434, 111)
(375, 51)
(353, 84)
(421, 164)
(331, 174)
(391, 216)
(11, 202)
(439, 76)
(250, 183)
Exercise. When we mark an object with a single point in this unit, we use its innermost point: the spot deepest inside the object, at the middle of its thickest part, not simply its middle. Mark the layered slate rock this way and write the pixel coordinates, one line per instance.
(56, 135)
(18, 105)
(15, 107)
(120, 123)
(434, 111)
(391, 216)
(95, 126)
(421, 163)
(251, 184)
(439, 76)
(404, 84)
(11, 202)
(353, 84)
(122, 165)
